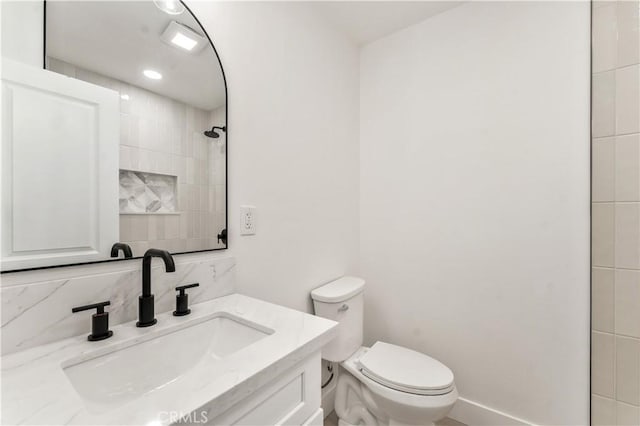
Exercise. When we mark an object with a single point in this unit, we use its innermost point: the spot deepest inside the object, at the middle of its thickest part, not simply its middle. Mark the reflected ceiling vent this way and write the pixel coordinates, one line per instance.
(171, 7)
(183, 37)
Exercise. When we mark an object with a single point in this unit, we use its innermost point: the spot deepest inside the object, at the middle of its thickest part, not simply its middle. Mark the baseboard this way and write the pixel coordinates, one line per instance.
(474, 414)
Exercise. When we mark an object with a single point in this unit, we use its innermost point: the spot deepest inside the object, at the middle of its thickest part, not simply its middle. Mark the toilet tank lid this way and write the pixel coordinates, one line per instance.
(338, 290)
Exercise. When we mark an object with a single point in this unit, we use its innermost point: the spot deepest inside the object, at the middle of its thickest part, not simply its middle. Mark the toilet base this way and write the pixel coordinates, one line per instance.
(361, 401)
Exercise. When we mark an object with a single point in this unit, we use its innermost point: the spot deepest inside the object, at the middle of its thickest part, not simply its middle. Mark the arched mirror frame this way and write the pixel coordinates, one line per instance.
(224, 235)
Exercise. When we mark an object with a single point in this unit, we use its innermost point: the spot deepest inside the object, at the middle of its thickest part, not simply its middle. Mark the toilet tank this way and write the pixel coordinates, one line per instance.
(341, 300)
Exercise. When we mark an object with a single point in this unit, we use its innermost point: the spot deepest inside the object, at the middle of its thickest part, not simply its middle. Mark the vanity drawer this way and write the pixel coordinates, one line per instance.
(292, 399)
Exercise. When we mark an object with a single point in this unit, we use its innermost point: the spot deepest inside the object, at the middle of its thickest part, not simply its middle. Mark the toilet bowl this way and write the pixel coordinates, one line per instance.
(389, 405)
(385, 384)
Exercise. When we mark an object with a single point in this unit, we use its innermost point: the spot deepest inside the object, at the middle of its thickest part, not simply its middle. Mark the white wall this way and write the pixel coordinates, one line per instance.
(474, 233)
(474, 184)
(23, 31)
(292, 145)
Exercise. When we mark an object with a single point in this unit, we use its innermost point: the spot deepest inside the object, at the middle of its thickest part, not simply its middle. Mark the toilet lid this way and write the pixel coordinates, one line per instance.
(405, 370)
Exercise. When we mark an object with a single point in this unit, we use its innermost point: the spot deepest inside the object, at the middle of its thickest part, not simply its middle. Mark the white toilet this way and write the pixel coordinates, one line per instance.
(385, 384)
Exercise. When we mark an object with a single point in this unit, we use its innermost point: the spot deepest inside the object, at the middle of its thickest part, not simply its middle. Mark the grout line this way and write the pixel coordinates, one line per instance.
(615, 202)
(613, 268)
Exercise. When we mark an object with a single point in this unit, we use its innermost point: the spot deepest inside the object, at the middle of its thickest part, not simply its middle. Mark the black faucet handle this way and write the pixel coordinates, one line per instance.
(99, 306)
(99, 321)
(182, 300)
(182, 288)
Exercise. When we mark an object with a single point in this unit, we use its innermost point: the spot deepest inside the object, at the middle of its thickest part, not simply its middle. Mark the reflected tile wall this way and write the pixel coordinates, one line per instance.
(615, 376)
(164, 136)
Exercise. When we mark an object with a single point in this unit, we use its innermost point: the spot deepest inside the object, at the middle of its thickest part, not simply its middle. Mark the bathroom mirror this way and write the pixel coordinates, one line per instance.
(126, 137)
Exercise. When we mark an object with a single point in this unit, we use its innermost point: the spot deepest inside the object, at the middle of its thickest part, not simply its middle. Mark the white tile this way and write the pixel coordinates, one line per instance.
(125, 157)
(163, 142)
(204, 198)
(603, 234)
(129, 130)
(627, 239)
(125, 228)
(627, 168)
(125, 98)
(603, 411)
(596, 4)
(146, 160)
(604, 34)
(134, 158)
(191, 137)
(156, 227)
(183, 197)
(192, 197)
(603, 364)
(627, 415)
(164, 163)
(628, 20)
(175, 139)
(627, 107)
(148, 134)
(138, 101)
(178, 167)
(139, 248)
(184, 225)
(628, 370)
(602, 300)
(603, 104)
(627, 302)
(603, 173)
(190, 170)
(172, 226)
(139, 228)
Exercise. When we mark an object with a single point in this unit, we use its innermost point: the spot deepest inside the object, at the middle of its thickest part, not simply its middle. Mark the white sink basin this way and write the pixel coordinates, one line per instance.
(113, 376)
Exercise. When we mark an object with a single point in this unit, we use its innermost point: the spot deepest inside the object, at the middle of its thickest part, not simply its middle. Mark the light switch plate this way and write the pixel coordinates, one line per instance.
(248, 220)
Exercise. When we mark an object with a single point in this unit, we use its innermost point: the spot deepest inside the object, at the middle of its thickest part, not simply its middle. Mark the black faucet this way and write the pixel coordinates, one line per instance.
(126, 250)
(146, 315)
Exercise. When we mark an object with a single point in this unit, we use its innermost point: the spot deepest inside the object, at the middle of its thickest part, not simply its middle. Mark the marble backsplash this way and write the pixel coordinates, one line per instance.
(39, 312)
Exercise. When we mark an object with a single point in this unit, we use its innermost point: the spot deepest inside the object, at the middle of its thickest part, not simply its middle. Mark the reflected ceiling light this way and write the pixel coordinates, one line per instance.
(178, 35)
(153, 75)
(183, 41)
(124, 97)
(171, 7)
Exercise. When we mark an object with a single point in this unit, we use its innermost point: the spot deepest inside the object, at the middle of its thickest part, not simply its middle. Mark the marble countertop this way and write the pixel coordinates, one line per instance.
(35, 389)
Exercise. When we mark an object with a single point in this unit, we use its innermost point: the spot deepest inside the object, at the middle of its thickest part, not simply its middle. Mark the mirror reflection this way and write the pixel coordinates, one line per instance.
(136, 136)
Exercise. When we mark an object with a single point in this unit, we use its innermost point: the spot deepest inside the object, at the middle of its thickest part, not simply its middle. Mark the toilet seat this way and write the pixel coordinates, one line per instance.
(405, 370)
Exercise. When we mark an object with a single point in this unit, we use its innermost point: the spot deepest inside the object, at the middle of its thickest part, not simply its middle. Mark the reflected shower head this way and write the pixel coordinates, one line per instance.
(212, 133)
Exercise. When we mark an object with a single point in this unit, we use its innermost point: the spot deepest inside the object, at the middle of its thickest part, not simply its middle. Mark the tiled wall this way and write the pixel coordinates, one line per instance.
(165, 136)
(615, 378)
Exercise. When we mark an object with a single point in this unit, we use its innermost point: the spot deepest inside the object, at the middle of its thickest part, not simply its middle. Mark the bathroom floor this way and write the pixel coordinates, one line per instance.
(332, 420)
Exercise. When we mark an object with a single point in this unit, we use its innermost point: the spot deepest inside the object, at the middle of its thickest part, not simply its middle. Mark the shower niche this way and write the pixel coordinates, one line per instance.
(147, 193)
(145, 162)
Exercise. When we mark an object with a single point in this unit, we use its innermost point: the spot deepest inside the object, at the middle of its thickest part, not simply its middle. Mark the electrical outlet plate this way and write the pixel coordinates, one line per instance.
(247, 220)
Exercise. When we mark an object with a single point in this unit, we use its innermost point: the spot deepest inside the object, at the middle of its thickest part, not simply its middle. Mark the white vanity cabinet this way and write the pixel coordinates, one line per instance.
(172, 374)
(292, 399)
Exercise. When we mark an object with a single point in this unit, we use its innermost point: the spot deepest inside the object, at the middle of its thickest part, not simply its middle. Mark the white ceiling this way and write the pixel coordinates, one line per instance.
(120, 39)
(366, 21)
